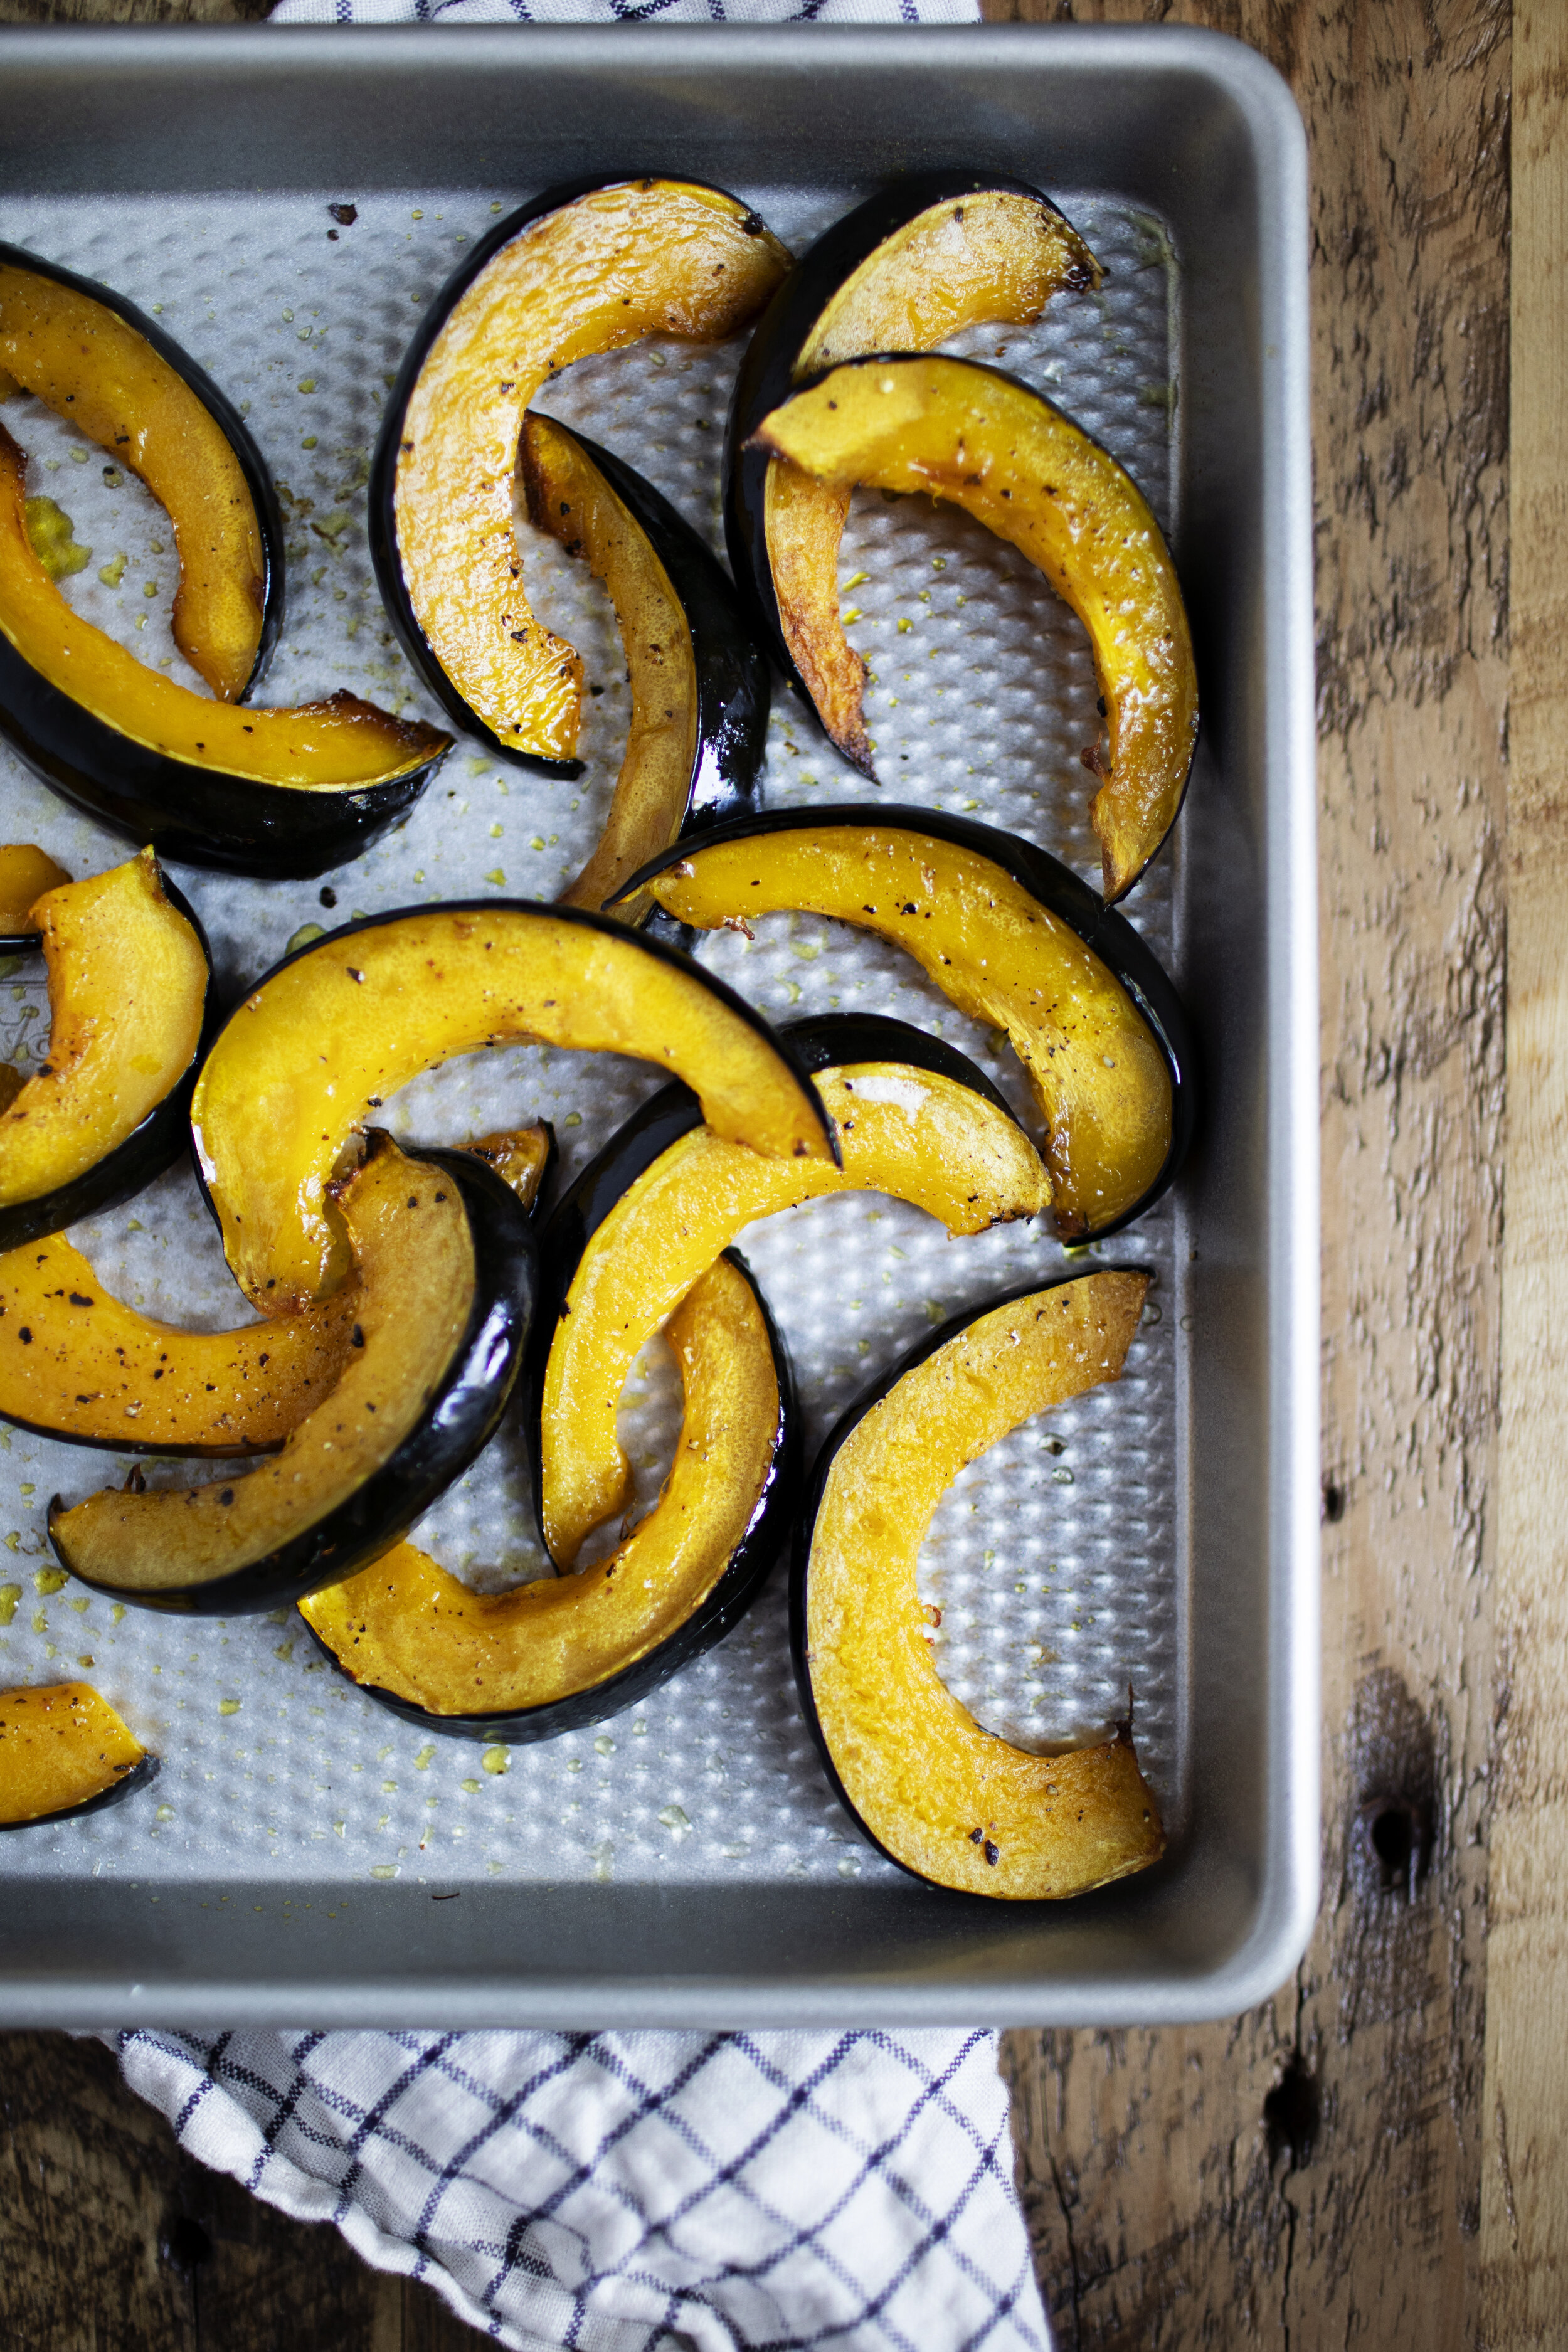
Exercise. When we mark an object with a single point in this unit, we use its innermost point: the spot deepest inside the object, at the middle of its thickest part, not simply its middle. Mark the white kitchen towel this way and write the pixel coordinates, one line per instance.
(626, 12)
(638, 2192)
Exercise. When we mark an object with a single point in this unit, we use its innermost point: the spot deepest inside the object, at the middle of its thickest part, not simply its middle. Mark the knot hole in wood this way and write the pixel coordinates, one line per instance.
(1393, 1747)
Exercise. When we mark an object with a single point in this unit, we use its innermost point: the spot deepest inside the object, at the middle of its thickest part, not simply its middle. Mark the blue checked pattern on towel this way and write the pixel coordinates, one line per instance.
(627, 12)
(638, 2192)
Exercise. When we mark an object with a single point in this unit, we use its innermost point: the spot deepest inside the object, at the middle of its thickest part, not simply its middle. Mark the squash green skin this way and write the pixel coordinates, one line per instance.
(231, 825)
(766, 375)
(458, 1422)
(749, 1566)
(1104, 931)
(146, 1151)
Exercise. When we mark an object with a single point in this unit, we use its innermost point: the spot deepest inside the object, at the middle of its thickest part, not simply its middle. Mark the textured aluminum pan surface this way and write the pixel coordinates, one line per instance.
(685, 1859)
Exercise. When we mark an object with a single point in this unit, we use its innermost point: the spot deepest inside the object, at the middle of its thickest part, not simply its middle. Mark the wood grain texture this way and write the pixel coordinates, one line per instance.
(1310, 2174)
(1524, 2234)
(112, 2240)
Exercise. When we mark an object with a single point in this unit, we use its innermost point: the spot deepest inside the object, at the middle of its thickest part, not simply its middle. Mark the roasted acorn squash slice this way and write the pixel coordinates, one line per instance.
(63, 1751)
(78, 1364)
(1016, 942)
(212, 784)
(338, 1027)
(915, 1119)
(577, 272)
(699, 688)
(950, 1802)
(120, 380)
(925, 259)
(26, 873)
(1017, 462)
(129, 976)
(445, 1271)
(565, 1651)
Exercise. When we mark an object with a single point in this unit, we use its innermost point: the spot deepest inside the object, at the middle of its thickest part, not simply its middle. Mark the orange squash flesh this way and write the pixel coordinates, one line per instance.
(947, 1799)
(321, 746)
(568, 498)
(26, 873)
(803, 521)
(995, 255)
(81, 1365)
(1097, 1074)
(646, 257)
(521, 1157)
(273, 1111)
(127, 984)
(414, 1255)
(61, 1747)
(1026, 471)
(91, 367)
(914, 1134)
(409, 1628)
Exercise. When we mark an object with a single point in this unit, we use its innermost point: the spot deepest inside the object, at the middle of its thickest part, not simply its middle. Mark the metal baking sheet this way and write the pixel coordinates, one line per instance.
(293, 1820)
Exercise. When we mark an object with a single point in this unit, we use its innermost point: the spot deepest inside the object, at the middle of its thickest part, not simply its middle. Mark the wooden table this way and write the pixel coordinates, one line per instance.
(1376, 2156)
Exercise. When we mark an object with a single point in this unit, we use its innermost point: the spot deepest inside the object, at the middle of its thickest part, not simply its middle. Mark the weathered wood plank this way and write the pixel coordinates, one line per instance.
(1311, 2173)
(132, 12)
(112, 2240)
(1524, 2235)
